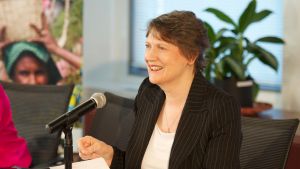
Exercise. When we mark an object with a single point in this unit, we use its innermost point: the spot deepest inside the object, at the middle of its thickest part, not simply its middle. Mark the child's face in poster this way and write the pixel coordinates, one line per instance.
(29, 70)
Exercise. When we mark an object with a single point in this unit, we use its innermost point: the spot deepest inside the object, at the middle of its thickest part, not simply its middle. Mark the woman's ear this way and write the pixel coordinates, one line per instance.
(192, 60)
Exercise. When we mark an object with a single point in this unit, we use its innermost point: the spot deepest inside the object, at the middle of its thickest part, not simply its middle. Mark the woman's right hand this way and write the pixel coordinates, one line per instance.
(44, 35)
(90, 148)
(3, 40)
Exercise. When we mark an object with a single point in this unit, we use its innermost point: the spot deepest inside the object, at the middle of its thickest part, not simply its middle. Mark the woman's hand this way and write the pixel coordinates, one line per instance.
(90, 148)
(3, 40)
(44, 35)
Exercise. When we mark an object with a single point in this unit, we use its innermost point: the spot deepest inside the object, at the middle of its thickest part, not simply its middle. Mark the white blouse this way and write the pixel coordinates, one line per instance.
(158, 151)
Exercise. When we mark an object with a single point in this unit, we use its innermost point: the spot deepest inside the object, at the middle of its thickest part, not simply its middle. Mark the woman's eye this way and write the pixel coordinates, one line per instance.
(147, 45)
(161, 47)
(24, 73)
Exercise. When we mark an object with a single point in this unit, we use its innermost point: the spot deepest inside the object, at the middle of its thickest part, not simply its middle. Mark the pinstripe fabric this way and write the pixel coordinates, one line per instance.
(266, 142)
(208, 133)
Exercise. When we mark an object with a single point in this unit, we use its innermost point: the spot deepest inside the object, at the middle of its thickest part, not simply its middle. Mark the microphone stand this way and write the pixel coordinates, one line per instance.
(68, 147)
(65, 122)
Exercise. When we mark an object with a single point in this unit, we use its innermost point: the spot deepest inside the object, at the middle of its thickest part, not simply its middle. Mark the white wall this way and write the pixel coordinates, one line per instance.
(106, 52)
(106, 47)
(291, 66)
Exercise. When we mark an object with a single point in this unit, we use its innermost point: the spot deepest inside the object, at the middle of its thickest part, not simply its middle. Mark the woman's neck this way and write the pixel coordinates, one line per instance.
(176, 96)
(178, 92)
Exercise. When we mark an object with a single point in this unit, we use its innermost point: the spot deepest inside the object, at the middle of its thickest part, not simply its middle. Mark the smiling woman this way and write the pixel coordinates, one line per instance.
(174, 56)
(181, 120)
(165, 63)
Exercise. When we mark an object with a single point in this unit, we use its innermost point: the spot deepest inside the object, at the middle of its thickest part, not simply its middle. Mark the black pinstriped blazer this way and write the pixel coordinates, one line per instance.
(208, 134)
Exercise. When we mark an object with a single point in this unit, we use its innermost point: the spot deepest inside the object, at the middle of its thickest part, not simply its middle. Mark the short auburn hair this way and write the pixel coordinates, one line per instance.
(185, 30)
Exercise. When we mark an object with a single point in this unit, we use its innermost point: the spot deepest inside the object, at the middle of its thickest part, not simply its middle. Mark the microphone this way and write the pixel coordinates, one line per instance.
(97, 100)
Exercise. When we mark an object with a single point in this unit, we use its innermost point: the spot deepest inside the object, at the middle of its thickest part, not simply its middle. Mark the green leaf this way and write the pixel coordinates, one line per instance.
(246, 40)
(270, 39)
(261, 15)
(222, 16)
(264, 56)
(210, 32)
(220, 33)
(249, 61)
(230, 55)
(208, 70)
(219, 70)
(247, 16)
(210, 55)
(235, 31)
(237, 51)
(235, 67)
(226, 43)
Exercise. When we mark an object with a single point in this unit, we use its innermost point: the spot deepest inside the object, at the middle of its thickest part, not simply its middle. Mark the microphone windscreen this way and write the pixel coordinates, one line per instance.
(100, 99)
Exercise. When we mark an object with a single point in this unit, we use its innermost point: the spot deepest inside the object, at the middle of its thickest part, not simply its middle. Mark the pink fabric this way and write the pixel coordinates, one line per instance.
(13, 149)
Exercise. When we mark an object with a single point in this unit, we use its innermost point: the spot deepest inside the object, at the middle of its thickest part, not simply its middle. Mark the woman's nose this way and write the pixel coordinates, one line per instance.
(32, 79)
(150, 54)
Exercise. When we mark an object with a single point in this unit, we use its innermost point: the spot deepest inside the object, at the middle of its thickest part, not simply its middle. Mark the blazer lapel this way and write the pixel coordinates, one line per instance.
(155, 100)
(152, 102)
(191, 123)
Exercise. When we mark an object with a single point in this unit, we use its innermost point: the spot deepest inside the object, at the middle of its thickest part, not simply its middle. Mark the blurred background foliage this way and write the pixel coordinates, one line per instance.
(75, 24)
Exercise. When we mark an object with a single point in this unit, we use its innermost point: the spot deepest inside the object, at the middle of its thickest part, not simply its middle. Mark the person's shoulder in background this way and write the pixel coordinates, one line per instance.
(13, 149)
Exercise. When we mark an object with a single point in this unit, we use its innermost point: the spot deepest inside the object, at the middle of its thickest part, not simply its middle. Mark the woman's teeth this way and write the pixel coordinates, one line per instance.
(155, 68)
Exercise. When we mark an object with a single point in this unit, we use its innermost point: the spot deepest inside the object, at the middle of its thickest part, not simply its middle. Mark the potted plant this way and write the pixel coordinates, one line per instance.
(231, 52)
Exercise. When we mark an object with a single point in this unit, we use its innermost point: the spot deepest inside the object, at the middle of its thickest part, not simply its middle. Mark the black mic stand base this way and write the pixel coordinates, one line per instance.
(68, 147)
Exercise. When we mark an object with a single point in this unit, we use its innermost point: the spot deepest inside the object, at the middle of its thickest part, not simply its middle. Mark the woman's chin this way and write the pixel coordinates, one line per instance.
(154, 80)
